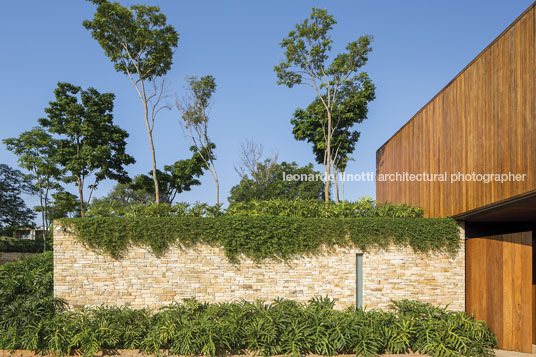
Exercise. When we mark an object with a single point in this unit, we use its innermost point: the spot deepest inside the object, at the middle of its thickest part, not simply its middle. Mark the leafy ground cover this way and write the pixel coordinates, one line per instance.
(31, 319)
(264, 237)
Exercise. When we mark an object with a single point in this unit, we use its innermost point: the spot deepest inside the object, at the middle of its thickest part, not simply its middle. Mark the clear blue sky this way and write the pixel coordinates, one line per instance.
(419, 46)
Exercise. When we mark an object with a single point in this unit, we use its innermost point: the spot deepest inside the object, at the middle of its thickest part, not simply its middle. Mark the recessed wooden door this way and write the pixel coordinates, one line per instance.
(499, 287)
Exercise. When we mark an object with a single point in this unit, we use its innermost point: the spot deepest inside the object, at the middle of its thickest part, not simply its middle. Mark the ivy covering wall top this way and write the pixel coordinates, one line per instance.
(264, 237)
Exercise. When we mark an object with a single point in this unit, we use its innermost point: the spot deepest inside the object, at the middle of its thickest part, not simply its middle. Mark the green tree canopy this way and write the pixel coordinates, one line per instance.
(174, 179)
(137, 40)
(13, 210)
(37, 152)
(124, 194)
(268, 183)
(63, 205)
(89, 142)
(351, 109)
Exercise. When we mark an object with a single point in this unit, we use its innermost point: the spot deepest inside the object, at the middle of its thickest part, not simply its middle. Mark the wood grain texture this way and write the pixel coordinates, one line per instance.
(483, 121)
(534, 314)
(499, 287)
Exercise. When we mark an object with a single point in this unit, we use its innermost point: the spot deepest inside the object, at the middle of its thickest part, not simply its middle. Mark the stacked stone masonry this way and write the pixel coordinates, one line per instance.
(84, 277)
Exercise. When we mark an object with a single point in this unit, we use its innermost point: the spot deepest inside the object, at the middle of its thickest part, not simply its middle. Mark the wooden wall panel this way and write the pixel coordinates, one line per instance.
(533, 313)
(484, 121)
(499, 287)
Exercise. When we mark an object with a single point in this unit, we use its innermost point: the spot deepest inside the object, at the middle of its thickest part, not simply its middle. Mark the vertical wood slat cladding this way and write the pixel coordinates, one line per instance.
(533, 288)
(499, 287)
(533, 314)
(484, 121)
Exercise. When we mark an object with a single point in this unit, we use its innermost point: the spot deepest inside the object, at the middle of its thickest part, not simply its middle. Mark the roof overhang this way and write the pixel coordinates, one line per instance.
(521, 208)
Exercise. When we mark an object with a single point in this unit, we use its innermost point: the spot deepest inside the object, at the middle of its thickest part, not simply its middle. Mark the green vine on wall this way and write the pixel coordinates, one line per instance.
(264, 237)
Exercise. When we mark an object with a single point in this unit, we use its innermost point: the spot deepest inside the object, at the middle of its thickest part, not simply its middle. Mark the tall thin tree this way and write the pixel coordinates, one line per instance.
(195, 115)
(140, 44)
(351, 109)
(307, 51)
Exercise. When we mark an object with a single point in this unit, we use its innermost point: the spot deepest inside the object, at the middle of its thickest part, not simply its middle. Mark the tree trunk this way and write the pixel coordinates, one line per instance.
(91, 193)
(217, 188)
(153, 154)
(42, 212)
(342, 184)
(151, 143)
(143, 98)
(212, 169)
(328, 164)
(46, 214)
(336, 181)
(217, 192)
(81, 196)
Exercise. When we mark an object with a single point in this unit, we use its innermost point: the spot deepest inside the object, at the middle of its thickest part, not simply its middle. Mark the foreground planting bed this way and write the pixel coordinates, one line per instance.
(31, 319)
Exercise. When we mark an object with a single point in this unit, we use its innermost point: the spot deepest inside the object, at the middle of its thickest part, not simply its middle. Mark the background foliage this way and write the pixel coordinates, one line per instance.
(10, 244)
(181, 209)
(267, 183)
(365, 207)
(13, 210)
(305, 208)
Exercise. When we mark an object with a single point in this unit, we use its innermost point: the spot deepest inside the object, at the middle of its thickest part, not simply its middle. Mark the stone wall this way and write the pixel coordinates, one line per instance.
(139, 279)
(9, 257)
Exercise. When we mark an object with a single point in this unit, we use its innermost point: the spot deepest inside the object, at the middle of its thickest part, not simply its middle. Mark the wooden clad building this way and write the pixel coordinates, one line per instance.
(470, 153)
(483, 121)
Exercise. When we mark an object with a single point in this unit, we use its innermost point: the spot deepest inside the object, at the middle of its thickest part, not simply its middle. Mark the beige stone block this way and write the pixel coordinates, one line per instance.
(84, 277)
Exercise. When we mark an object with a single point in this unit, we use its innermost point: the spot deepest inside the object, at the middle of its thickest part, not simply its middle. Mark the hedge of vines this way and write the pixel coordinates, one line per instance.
(261, 237)
(31, 319)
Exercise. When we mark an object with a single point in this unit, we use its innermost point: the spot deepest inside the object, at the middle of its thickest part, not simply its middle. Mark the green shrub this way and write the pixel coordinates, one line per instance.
(181, 209)
(26, 298)
(261, 237)
(283, 327)
(365, 207)
(439, 332)
(10, 244)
